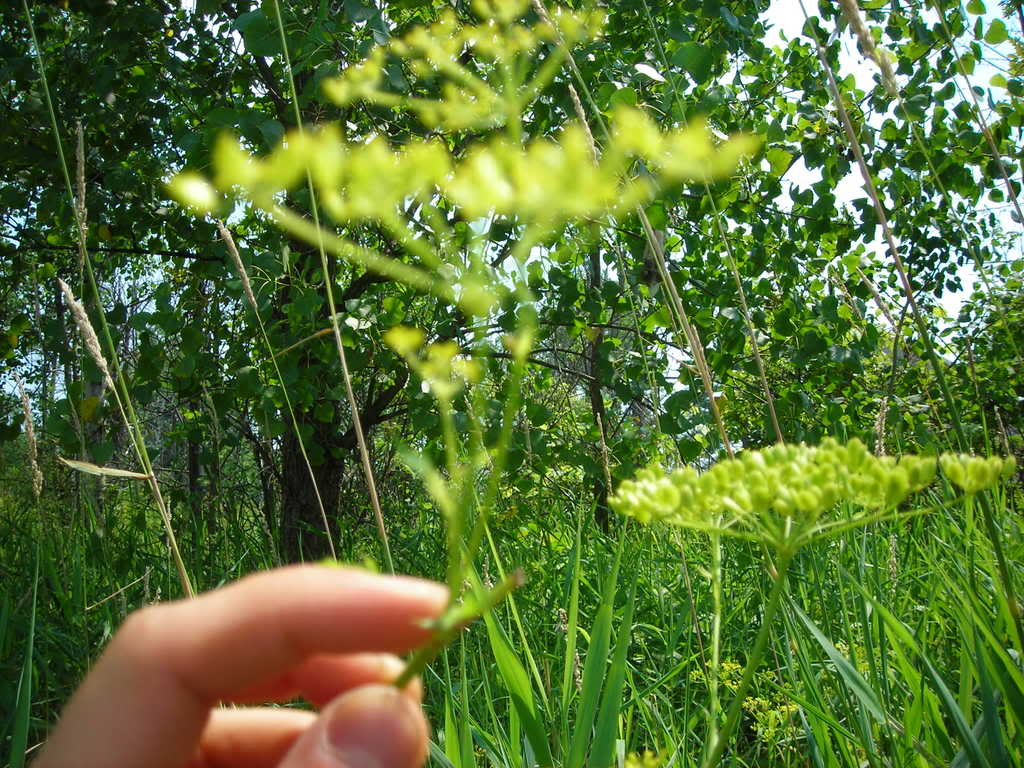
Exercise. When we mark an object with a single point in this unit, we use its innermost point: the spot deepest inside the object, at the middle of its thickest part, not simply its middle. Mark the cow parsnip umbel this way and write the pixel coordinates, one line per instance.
(542, 184)
(787, 495)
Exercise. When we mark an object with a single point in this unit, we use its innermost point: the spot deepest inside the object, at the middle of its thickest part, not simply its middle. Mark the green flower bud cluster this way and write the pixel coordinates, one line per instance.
(976, 473)
(782, 495)
(440, 366)
(645, 759)
(547, 181)
(467, 99)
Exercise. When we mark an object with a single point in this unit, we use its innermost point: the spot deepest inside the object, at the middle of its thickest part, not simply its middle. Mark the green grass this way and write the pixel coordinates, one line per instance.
(894, 644)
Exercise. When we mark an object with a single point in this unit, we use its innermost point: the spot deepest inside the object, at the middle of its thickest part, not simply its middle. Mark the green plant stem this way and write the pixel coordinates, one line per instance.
(715, 705)
(753, 660)
(457, 618)
(513, 399)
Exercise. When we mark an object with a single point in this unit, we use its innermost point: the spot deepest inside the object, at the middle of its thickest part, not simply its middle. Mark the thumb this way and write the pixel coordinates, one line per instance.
(374, 726)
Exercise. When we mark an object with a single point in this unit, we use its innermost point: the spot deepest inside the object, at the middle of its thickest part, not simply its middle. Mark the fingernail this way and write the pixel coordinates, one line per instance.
(376, 727)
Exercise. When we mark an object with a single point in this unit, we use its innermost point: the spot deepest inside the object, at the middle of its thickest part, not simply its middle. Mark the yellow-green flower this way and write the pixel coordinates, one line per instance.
(786, 495)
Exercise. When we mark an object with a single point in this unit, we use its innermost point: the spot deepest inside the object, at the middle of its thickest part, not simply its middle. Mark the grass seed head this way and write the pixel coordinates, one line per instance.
(86, 331)
(30, 438)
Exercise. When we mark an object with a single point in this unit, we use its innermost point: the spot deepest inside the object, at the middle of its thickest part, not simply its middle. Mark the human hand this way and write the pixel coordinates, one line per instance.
(323, 633)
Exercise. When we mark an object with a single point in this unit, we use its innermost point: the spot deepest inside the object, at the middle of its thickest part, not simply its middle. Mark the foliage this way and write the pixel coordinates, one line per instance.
(489, 260)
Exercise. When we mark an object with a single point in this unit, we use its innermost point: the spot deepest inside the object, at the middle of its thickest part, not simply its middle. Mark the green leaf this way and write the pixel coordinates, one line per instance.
(594, 669)
(730, 18)
(779, 159)
(903, 636)
(572, 619)
(601, 751)
(272, 132)
(988, 723)
(451, 734)
(625, 96)
(259, 36)
(853, 679)
(358, 11)
(23, 696)
(517, 682)
(695, 59)
(324, 411)
(977, 7)
(92, 469)
(996, 32)
(438, 755)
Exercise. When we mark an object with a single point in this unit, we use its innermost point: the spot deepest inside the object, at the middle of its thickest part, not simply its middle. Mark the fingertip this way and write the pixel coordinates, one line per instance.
(376, 727)
(390, 668)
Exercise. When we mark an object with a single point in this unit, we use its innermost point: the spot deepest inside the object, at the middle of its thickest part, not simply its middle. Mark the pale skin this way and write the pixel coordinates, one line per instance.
(157, 696)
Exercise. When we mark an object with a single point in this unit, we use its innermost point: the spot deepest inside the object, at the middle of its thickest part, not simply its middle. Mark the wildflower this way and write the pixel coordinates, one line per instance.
(783, 495)
(976, 473)
(193, 191)
(404, 340)
(645, 759)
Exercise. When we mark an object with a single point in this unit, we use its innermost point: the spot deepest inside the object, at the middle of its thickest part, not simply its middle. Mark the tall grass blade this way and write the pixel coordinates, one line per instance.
(93, 469)
(601, 751)
(452, 752)
(23, 699)
(988, 723)
(571, 627)
(439, 756)
(849, 674)
(902, 635)
(517, 682)
(594, 668)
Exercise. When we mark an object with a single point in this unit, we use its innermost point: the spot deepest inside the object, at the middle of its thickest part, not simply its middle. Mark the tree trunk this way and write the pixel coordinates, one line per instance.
(600, 482)
(303, 536)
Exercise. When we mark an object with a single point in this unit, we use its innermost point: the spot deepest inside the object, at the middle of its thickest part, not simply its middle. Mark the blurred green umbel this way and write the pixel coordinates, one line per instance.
(542, 183)
(787, 495)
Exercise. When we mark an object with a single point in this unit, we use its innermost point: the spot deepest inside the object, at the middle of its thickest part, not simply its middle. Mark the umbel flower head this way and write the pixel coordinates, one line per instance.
(546, 181)
(786, 495)
(976, 473)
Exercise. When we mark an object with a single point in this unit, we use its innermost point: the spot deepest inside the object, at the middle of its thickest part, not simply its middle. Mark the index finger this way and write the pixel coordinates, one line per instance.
(149, 696)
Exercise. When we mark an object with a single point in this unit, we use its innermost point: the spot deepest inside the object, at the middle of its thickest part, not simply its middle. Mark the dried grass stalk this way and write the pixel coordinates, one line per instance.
(30, 439)
(87, 332)
(81, 212)
(229, 241)
(867, 44)
(880, 425)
